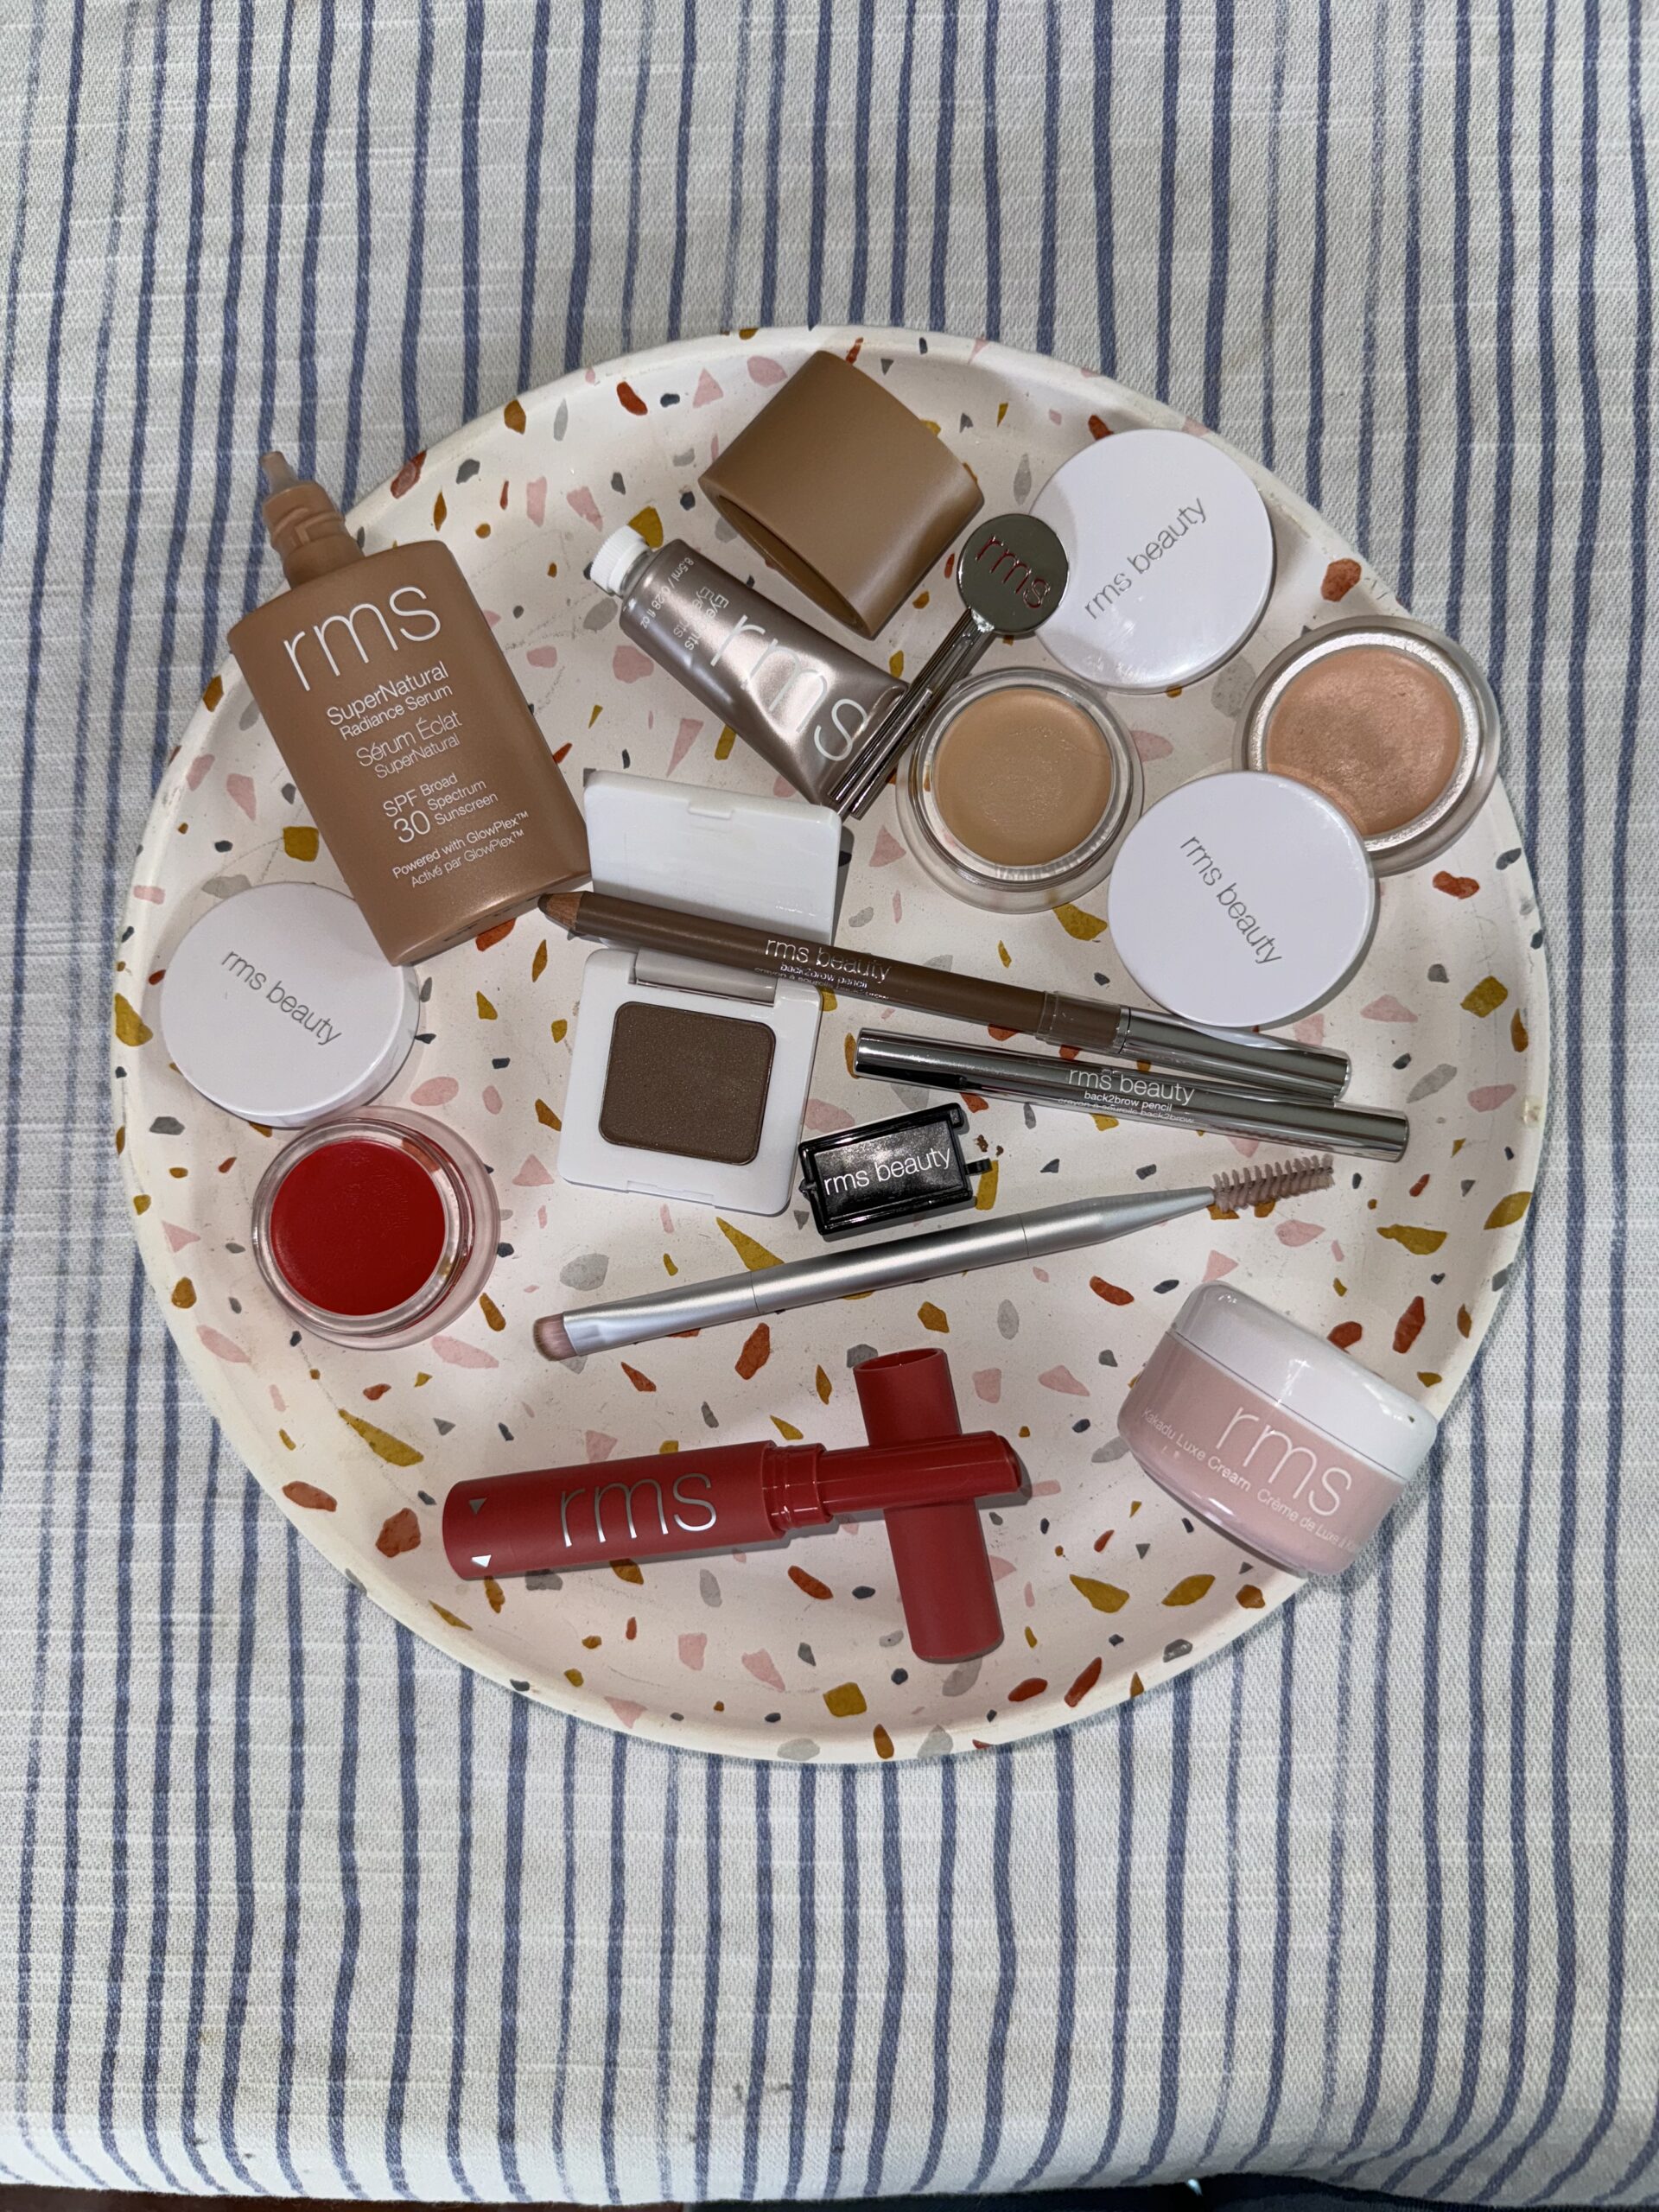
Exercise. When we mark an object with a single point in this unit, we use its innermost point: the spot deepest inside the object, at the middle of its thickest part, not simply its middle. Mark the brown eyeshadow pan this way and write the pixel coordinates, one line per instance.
(690, 1084)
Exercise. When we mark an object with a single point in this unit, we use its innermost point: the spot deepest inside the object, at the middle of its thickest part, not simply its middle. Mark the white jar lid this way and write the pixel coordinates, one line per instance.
(1241, 901)
(279, 1006)
(1309, 1378)
(1170, 549)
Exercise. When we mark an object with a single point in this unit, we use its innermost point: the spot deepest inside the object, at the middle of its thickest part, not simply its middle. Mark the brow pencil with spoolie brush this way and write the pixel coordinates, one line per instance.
(916, 1259)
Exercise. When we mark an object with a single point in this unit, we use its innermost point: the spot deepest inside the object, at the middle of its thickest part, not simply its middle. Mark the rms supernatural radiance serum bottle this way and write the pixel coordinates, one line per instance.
(404, 729)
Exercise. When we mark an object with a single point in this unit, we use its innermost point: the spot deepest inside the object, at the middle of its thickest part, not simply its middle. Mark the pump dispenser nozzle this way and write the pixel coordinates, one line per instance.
(307, 528)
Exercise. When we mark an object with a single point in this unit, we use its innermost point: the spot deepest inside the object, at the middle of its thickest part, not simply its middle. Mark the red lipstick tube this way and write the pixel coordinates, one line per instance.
(726, 1500)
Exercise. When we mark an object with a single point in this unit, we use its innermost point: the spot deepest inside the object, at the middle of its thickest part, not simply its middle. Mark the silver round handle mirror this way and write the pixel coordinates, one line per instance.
(1011, 572)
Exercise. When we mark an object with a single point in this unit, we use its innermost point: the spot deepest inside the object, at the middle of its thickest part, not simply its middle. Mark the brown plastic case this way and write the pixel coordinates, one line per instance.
(843, 489)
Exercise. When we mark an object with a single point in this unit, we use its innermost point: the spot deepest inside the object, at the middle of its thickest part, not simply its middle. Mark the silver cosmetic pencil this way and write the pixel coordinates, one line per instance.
(1184, 1102)
(914, 1259)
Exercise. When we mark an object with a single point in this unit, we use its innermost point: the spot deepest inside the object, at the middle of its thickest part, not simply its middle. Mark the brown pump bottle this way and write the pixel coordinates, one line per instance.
(403, 725)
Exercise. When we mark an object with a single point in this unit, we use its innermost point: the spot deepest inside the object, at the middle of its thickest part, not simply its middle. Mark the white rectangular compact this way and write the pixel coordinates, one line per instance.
(688, 1080)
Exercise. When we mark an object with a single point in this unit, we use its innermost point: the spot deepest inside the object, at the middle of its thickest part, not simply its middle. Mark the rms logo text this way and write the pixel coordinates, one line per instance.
(1021, 579)
(338, 635)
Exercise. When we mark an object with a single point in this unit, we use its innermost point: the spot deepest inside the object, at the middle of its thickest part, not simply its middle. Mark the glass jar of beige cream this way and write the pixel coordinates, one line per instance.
(1020, 789)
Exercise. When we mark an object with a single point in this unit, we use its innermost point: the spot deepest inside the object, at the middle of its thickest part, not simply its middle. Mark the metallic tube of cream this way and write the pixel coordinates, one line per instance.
(802, 701)
(727, 1499)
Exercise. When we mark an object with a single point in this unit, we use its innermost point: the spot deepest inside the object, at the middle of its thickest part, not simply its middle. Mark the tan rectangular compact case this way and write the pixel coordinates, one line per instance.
(847, 492)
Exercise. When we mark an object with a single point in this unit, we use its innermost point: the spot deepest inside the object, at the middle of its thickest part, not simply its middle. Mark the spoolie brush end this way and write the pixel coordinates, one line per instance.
(1265, 1181)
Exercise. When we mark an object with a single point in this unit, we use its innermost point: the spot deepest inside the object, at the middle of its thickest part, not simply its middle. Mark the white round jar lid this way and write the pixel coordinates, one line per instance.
(1241, 901)
(279, 1006)
(1170, 549)
(1309, 1378)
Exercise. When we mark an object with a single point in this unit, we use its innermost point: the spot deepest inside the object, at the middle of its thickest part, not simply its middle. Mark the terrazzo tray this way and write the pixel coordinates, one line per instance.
(798, 1652)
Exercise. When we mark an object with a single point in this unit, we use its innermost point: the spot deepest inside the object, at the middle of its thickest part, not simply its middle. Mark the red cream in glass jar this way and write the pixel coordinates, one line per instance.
(377, 1230)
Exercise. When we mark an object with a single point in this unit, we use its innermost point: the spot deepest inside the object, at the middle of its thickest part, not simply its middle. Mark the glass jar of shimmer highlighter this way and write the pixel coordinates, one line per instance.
(377, 1230)
(1019, 791)
(1389, 721)
(1271, 1434)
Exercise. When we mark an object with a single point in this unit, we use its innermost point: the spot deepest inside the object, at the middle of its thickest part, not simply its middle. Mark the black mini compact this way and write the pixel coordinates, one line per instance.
(888, 1172)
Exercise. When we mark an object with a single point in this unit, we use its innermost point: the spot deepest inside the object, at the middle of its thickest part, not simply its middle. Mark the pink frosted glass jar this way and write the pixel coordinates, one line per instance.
(1272, 1435)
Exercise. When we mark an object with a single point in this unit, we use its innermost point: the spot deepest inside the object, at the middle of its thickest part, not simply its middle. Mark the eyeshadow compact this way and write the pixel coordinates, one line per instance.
(688, 1079)
(691, 1083)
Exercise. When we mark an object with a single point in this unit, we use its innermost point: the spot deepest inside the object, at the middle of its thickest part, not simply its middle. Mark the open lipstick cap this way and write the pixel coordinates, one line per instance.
(938, 1551)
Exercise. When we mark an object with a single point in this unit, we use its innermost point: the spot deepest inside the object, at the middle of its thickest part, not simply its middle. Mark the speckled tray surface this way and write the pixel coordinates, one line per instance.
(799, 1652)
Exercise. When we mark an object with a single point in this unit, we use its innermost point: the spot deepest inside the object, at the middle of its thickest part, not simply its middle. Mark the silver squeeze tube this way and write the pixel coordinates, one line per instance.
(802, 701)
(1186, 1102)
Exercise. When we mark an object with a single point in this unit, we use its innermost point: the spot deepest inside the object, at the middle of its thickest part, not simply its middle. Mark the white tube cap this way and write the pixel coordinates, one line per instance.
(279, 1007)
(616, 560)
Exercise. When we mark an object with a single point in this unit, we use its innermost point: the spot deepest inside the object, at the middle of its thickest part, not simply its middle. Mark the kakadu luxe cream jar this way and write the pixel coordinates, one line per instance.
(1271, 1434)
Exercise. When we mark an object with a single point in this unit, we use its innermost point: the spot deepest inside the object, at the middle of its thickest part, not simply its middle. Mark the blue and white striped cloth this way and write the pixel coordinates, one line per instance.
(286, 1902)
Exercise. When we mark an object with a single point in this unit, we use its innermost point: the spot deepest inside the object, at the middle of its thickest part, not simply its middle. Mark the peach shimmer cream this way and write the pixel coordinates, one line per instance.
(1390, 721)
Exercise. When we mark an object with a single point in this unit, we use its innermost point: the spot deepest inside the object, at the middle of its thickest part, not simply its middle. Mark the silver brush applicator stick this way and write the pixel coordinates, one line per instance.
(915, 1259)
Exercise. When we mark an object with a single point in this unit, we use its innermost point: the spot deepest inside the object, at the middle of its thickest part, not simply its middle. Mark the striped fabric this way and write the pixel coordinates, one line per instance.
(288, 1902)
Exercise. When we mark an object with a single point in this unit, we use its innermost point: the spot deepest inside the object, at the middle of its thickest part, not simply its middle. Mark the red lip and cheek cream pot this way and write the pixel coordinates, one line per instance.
(376, 1229)
(918, 1471)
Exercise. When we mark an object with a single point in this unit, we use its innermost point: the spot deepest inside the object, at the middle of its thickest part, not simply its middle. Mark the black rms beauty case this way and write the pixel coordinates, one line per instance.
(888, 1172)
